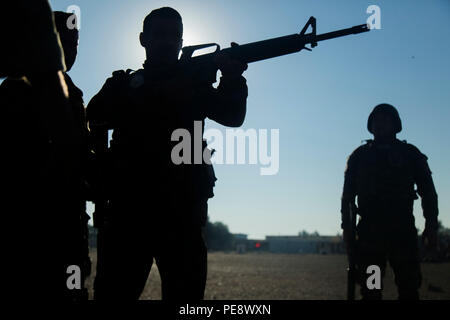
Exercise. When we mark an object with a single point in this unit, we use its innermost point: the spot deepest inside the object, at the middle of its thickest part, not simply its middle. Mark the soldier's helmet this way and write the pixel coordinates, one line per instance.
(385, 108)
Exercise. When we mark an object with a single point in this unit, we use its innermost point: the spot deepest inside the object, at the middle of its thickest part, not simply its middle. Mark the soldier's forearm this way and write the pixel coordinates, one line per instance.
(428, 194)
(430, 209)
(230, 106)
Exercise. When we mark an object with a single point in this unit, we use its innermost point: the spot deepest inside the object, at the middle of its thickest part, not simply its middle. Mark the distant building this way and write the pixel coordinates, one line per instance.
(309, 244)
(242, 244)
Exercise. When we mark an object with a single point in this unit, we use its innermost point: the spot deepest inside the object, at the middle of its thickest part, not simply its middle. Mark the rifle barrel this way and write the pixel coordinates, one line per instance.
(271, 48)
(343, 32)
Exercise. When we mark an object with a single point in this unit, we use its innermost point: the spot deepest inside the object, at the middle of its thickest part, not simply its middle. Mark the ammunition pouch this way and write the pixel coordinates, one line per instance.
(205, 179)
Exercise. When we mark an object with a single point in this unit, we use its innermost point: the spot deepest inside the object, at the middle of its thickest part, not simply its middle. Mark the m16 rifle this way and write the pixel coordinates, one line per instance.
(203, 68)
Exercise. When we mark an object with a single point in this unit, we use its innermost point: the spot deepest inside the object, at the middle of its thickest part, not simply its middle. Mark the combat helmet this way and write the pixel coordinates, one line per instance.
(385, 108)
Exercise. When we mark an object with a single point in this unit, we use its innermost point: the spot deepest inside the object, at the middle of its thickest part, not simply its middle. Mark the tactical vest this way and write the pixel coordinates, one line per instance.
(132, 133)
(384, 176)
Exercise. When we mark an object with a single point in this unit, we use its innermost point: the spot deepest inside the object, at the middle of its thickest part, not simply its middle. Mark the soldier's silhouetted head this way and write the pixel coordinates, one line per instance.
(162, 36)
(68, 34)
(384, 121)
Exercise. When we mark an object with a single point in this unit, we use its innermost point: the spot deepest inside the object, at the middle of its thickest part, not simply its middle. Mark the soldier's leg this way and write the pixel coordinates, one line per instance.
(182, 265)
(123, 263)
(74, 252)
(370, 250)
(404, 259)
(54, 263)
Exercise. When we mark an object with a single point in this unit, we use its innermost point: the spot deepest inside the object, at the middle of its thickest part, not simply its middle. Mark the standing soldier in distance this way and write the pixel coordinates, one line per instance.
(381, 174)
(156, 209)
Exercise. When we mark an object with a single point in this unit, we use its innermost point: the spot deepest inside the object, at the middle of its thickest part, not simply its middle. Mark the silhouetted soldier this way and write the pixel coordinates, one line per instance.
(156, 209)
(382, 174)
(40, 158)
(69, 36)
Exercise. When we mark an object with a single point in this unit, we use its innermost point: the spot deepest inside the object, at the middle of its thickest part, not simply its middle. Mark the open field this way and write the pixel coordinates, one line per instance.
(285, 277)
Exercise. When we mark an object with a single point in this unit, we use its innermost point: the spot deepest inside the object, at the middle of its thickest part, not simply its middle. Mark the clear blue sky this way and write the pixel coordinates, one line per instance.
(318, 100)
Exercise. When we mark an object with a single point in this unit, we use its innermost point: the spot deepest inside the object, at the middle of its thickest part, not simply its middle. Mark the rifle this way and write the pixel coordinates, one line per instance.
(351, 271)
(204, 68)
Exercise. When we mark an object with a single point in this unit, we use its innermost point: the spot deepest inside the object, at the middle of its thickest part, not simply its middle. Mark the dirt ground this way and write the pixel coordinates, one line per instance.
(263, 276)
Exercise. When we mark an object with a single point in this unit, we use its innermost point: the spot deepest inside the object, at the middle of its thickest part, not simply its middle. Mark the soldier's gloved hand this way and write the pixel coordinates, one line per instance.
(430, 238)
(230, 68)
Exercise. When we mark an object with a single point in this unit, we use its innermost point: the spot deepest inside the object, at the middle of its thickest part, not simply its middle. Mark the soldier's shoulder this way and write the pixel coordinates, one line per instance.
(363, 148)
(412, 151)
(15, 88)
(120, 74)
(119, 78)
(73, 89)
(13, 83)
